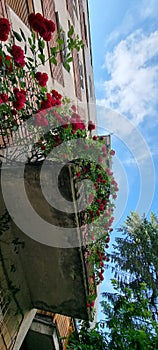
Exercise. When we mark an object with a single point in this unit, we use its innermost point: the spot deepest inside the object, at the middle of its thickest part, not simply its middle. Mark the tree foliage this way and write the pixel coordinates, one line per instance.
(87, 339)
(129, 319)
(135, 256)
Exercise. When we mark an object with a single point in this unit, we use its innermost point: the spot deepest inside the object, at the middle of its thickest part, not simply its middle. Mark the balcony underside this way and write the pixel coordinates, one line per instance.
(49, 277)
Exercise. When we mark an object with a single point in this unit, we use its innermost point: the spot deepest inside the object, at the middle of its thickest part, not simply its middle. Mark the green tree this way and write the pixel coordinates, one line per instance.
(135, 256)
(87, 338)
(129, 319)
(127, 323)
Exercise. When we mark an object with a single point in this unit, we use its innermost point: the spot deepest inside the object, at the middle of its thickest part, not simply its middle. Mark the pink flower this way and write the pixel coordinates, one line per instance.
(91, 197)
(41, 121)
(100, 159)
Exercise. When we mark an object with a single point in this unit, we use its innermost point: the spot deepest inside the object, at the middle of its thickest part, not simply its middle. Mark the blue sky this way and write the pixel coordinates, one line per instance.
(124, 35)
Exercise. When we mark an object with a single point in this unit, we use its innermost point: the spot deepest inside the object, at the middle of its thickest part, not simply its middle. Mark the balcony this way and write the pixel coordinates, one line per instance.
(39, 275)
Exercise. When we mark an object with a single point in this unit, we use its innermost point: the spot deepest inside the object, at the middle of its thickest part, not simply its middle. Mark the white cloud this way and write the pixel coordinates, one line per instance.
(135, 16)
(133, 70)
(149, 9)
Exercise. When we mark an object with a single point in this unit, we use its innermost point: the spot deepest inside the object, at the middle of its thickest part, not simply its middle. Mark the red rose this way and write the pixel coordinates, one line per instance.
(56, 95)
(18, 55)
(101, 276)
(112, 152)
(91, 126)
(78, 174)
(4, 98)
(50, 25)
(101, 207)
(42, 78)
(41, 25)
(36, 21)
(57, 139)
(4, 29)
(107, 239)
(18, 105)
(92, 303)
(95, 138)
(82, 125)
(20, 98)
(45, 104)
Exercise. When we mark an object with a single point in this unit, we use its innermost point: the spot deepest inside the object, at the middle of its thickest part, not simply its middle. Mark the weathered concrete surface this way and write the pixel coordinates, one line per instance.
(54, 278)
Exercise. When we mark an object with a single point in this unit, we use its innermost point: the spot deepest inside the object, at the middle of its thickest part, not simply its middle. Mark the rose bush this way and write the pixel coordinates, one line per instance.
(55, 122)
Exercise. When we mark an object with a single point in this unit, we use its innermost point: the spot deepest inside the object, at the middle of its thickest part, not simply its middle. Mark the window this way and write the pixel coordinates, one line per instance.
(75, 7)
(90, 87)
(69, 5)
(64, 46)
(3, 9)
(81, 74)
(22, 8)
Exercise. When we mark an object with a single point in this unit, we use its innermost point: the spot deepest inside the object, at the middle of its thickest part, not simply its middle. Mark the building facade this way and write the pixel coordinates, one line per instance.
(78, 84)
(38, 328)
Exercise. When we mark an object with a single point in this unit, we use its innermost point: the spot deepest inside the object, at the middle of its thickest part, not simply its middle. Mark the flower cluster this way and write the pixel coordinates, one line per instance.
(4, 29)
(41, 25)
(21, 80)
(42, 78)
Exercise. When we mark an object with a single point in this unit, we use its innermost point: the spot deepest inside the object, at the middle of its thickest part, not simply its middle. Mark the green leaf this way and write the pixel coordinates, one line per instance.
(30, 41)
(53, 51)
(66, 66)
(43, 89)
(22, 34)
(30, 59)
(41, 45)
(25, 49)
(53, 60)
(70, 32)
(70, 59)
(42, 58)
(17, 36)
